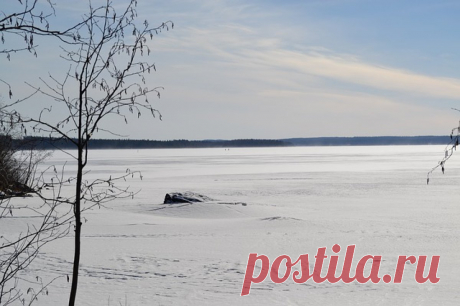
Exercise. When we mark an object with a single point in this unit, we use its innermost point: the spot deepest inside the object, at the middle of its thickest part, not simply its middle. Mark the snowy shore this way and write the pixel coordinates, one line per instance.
(298, 200)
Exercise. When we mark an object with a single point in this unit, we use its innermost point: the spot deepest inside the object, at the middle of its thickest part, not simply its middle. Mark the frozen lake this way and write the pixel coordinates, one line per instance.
(298, 200)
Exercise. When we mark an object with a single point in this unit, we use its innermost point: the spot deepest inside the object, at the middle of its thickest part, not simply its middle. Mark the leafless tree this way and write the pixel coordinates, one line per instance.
(20, 22)
(108, 65)
(449, 150)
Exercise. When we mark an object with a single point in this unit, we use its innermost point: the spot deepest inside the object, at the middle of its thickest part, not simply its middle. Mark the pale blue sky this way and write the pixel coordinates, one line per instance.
(279, 69)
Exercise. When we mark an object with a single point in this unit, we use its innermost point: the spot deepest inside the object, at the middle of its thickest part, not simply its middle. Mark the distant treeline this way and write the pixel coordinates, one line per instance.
(53, 143)
(369, 141)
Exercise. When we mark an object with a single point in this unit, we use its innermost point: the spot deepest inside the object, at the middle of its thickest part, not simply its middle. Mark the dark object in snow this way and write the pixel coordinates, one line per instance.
(13, 194)
(185, 197)
(192, 197)
(16, 190)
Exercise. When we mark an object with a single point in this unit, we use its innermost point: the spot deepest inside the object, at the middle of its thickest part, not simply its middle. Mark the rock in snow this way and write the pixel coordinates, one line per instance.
(185, 197)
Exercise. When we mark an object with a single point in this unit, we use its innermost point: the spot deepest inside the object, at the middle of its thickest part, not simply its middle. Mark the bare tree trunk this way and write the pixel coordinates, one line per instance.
(77, 213)
(78, 197)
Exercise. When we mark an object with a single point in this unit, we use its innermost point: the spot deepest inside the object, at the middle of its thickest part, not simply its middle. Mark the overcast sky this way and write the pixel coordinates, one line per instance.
(281, 69)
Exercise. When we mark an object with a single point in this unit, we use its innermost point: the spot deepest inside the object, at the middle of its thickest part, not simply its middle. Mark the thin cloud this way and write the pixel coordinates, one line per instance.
(246, 48)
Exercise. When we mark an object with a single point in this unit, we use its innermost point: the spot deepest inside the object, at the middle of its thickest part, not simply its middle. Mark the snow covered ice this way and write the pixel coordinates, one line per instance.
(143, 252)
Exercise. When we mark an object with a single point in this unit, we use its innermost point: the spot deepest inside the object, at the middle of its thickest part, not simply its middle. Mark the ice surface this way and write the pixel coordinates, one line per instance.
(298, 199)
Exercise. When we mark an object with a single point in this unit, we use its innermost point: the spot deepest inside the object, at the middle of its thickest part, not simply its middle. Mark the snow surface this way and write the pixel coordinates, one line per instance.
(142, 252)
